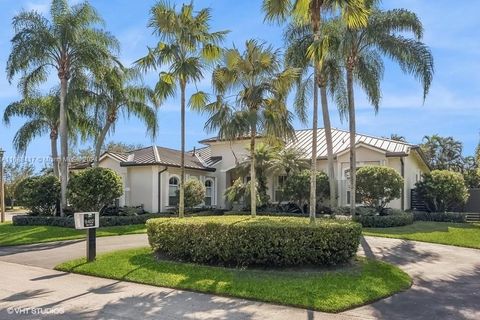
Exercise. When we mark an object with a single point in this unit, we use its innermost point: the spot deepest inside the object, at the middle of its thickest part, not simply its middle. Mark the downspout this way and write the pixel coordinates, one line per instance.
(403, 187)
(160, 189)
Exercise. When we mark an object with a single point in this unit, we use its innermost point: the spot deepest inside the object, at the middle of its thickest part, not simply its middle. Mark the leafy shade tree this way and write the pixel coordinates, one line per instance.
(329, 79)
(471, 172)
(15, 173)
(297, 188)
(95, 188)
(378, 185)
(251, 90)
(40, 195)
(309, 12)
(88, 154)
(186, 48)
(443, 153)
(443, 190)
(112, 93)
(194, 193)
(68, 44)
(395, 34)
(43, 113)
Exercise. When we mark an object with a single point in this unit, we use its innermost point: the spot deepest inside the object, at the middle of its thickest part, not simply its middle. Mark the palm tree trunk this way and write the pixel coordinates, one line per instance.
(253, 178)
(54, 150)
(313, 169)
(353, 160)
(328, 137)
(63, 145)
(100, 141)
(181, 202)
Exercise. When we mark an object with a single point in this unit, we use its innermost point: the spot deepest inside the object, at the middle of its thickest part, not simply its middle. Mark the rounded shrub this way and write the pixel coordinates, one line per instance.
(40, 194)
(388, 221)
(262, 241)
(194, 193)
(378, 185)
(443, 190)
(92, 189)
(297, 188)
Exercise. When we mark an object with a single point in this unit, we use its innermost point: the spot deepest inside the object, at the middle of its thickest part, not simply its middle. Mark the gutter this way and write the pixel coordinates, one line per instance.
(402, 162)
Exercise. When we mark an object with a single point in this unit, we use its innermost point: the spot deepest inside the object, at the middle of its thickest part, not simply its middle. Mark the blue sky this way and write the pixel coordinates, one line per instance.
(452, 107)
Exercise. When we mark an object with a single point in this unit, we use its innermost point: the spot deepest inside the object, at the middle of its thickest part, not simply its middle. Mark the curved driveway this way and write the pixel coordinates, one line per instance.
(446, 286)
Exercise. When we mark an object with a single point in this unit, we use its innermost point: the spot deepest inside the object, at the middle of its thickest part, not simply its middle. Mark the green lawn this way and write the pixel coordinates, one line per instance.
(325, 290)
(455, 234)
(11, 235)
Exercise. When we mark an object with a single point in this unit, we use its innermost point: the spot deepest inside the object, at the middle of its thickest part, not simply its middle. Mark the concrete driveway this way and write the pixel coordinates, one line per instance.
(446, 286)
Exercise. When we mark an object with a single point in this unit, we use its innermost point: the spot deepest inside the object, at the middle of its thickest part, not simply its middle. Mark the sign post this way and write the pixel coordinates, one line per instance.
(90, 222)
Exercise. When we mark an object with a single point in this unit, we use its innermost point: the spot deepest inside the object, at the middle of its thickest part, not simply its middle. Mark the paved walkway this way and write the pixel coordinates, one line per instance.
(446, 286)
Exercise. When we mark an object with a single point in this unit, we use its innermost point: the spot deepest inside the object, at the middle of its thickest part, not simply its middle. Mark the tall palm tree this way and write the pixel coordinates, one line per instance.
(251, 89)
(186, 48)
(395, 34)
(69, 43)
(43, 113)
(309, 12)
(113, 92)
(298, 39)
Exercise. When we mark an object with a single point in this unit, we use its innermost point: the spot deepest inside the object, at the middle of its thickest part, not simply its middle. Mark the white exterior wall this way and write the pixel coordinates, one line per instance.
(115, 166)
(143, 186)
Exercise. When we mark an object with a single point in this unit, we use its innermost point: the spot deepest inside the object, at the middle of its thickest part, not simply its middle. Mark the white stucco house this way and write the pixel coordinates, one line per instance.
(151, 175)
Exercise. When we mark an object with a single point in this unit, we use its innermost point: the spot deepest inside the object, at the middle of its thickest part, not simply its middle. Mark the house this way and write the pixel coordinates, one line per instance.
(151, 176)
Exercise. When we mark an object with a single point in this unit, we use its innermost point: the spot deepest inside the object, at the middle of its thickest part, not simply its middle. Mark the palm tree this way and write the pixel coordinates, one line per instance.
(386, 34)
(251, 89)
(288, 161)
(397, 137)
(43, 113)
(298, 39)
(443, 153)
(186, 48)
(113, 92)
(68, 44)
(309, 12)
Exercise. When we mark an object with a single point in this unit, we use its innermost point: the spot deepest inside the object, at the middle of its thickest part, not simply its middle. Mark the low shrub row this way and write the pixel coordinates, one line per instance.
(392, 220)
(68, 222)
(262, 241)
(458, 217)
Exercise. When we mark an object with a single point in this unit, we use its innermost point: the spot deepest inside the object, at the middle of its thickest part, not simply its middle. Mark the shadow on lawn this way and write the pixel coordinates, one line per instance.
(422, 227)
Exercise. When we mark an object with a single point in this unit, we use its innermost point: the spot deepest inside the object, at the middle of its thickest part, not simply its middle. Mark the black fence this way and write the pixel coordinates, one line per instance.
(473, 203)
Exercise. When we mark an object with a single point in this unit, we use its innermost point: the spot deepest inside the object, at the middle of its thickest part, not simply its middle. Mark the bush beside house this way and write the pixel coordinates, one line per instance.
(40, 195)
(93, 189)
(377, 186)
(443, 191)
(297, 188)
(194, 193)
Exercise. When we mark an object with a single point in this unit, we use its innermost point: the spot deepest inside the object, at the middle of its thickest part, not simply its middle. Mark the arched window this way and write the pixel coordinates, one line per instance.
(209, 192)
(173, 185)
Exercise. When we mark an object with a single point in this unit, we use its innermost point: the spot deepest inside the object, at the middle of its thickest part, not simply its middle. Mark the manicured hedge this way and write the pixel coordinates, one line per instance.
(261, 241)
(440, 216)
(68, 222)
(392, 220)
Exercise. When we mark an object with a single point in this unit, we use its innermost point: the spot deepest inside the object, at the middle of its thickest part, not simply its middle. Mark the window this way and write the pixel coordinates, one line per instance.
(278, 188)
(208, 192)
(173, 185)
